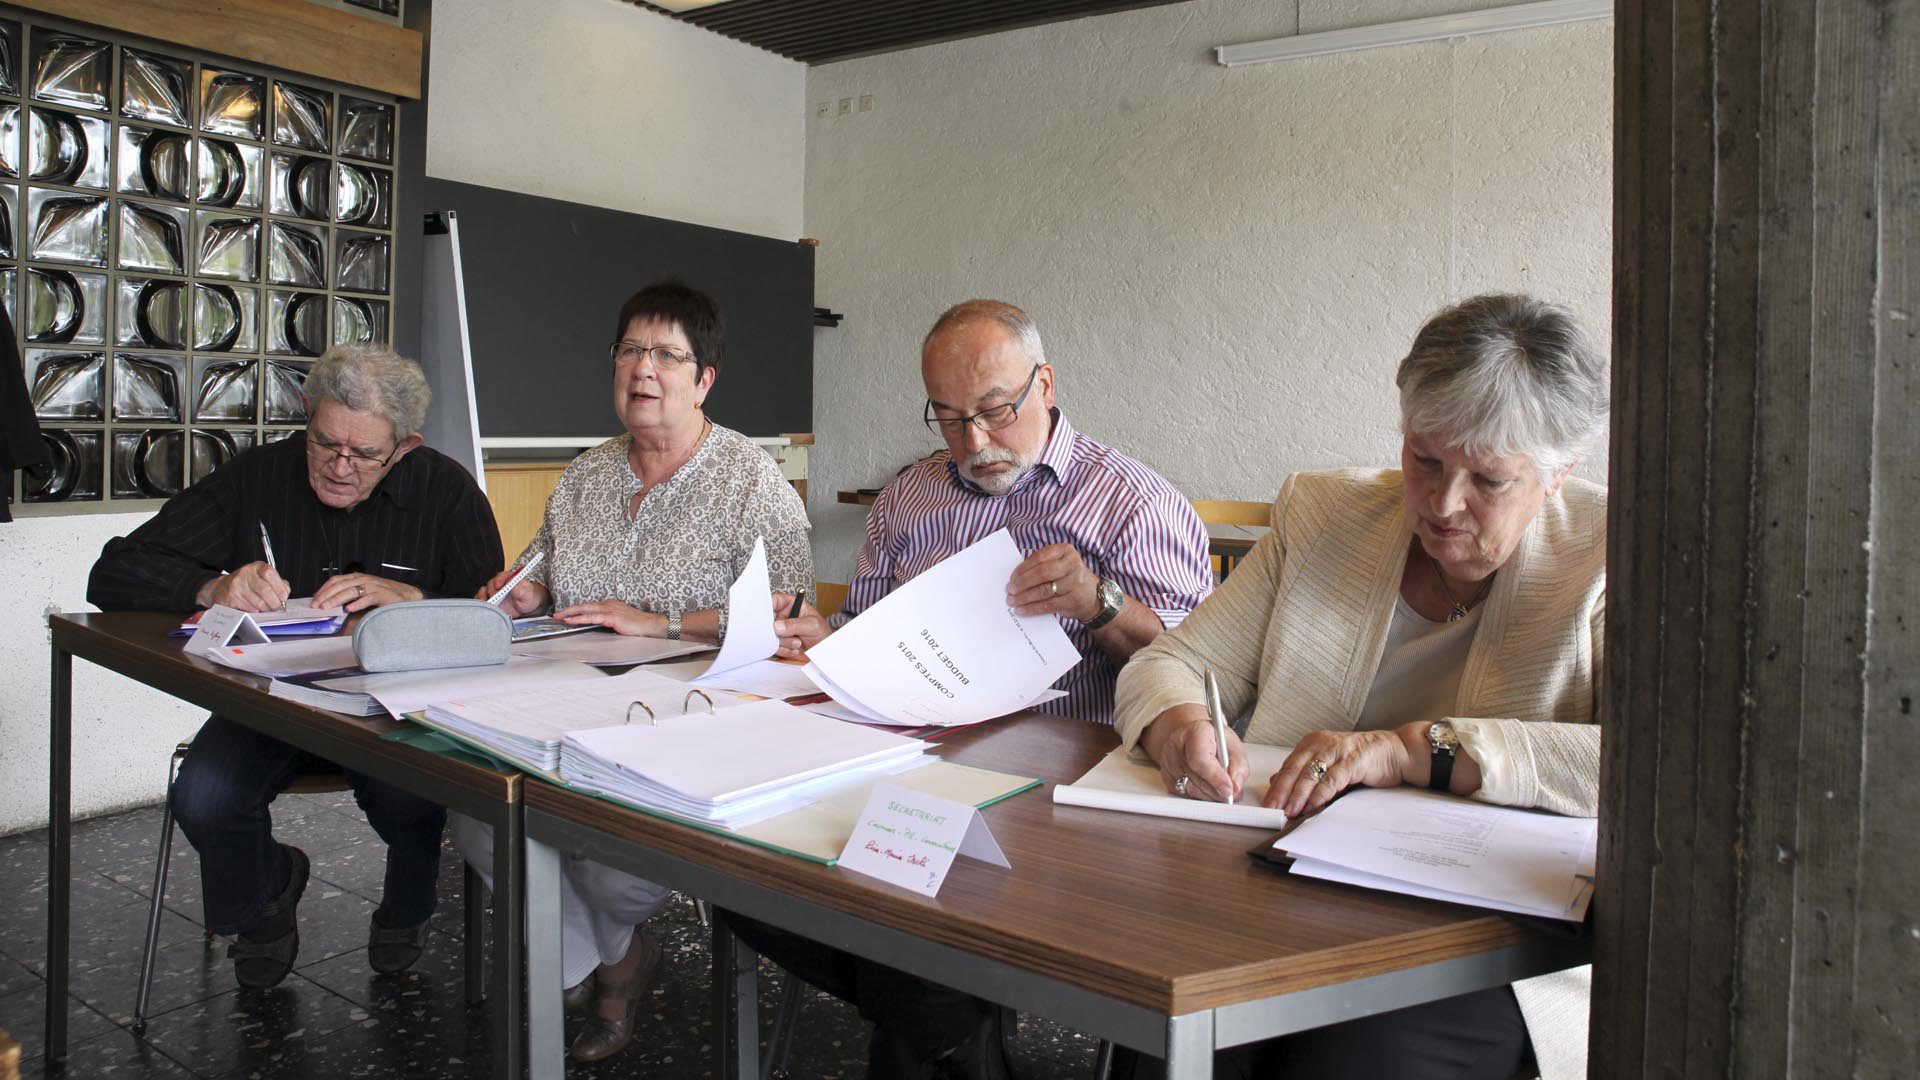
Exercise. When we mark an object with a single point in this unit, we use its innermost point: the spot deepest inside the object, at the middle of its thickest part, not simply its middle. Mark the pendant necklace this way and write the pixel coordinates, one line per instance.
(1459, 610)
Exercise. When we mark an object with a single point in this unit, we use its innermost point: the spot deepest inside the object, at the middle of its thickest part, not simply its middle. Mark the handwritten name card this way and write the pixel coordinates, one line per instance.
(222, 625)
(910, 838)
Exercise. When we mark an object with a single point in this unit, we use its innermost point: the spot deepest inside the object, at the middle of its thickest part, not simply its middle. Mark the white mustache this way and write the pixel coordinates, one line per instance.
(992, 455)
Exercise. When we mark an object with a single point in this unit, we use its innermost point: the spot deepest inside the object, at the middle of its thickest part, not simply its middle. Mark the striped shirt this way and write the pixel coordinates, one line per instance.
(1123, 518)
(426, 525)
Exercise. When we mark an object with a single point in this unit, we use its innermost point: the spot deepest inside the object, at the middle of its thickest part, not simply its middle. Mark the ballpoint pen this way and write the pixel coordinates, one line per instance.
(517, 578)
(266, 546)
(1220, 731)
(794, 611)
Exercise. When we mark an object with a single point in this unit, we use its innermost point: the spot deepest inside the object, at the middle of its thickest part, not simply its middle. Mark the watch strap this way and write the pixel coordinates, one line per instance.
(1440, 765)
(673, 626)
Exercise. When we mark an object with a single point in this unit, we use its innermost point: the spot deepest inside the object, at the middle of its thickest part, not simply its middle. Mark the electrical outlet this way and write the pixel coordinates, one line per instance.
(846, 105)
(866, 102)
(823, 110)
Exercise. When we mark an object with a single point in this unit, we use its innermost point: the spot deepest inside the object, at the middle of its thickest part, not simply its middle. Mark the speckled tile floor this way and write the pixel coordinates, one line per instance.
(334, 1017)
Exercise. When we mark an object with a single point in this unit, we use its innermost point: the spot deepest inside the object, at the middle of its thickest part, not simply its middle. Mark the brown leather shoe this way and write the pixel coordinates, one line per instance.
(579, 998)
(602, 1038)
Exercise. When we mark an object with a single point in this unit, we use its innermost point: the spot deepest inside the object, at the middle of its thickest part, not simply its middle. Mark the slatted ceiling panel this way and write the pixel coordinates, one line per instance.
(820, 31)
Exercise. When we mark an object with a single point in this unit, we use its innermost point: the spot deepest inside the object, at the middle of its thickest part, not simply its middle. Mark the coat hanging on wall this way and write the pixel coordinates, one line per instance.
(20, 442)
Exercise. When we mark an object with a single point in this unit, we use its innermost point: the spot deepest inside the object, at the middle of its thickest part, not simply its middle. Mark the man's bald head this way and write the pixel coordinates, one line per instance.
(981, 356)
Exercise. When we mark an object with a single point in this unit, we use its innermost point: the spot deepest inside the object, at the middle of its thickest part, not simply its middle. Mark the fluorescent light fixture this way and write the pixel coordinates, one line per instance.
(681, 7)
(1409, 31)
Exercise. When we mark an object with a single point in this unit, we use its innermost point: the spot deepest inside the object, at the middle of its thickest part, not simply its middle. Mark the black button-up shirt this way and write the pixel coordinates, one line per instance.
(426, 525)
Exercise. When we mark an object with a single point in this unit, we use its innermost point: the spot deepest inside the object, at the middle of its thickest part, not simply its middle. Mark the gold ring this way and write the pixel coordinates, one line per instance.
(359, 591)
(1055, 586)
(1317, 768)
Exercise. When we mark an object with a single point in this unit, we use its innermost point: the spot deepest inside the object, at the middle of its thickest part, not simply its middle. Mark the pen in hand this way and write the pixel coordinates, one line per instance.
(266, 549)
(1219, 715)
(798, 598)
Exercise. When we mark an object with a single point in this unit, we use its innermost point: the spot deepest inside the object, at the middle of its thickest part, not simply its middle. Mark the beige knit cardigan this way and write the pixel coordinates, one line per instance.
(1295, 635)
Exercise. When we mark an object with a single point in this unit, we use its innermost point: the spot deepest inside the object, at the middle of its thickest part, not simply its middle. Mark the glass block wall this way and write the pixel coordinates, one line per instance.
(179, 237)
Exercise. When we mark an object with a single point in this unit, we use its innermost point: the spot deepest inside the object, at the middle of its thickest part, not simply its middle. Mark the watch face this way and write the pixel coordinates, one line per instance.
(1442, 736)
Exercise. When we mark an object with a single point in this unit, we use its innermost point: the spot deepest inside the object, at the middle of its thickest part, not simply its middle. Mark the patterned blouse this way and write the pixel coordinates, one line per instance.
(691, 538)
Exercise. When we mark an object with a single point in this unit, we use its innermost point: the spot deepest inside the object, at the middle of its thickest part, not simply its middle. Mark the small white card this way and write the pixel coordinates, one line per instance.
(910, 838)
(222, 625)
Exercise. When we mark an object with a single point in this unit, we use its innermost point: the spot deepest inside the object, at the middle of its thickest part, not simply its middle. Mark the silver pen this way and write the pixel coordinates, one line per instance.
(266, 546)
(1219, 730)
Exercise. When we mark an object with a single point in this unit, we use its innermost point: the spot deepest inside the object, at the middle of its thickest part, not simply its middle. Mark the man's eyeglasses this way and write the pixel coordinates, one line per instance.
(625, 353)
(988, 419)
(324, 450)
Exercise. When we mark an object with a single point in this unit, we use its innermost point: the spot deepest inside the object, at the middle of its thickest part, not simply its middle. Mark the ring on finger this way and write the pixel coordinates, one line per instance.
(1180, 785)
(1054, 587)
(1317, 768)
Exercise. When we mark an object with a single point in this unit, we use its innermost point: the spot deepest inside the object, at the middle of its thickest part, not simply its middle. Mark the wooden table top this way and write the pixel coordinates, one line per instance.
(137, 645)
(1167, 914)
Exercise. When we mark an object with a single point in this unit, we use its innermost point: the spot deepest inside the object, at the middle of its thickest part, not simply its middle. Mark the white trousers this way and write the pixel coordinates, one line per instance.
(599, 906)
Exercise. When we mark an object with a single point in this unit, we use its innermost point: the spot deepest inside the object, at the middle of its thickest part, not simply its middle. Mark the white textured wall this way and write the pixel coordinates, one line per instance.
(122, 731)
(605, 103)
(1225, 265)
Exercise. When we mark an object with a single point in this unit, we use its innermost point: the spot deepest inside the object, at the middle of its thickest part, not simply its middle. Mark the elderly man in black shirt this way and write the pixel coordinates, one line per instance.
(359, 514)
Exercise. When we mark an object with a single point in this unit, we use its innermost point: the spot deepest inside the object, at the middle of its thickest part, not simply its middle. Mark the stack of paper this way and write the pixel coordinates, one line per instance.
(305, 689)
(1423, 843)
(297, 618)
(526, 725)
(944, 648)
(604, 648)
(1124, 782)
(732, 768)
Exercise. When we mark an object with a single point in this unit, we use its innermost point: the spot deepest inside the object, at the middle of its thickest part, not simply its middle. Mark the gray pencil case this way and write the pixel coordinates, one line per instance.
(432, 634)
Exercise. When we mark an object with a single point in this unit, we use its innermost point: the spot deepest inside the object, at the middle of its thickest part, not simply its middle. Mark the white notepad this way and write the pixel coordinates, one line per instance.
(1125, 782)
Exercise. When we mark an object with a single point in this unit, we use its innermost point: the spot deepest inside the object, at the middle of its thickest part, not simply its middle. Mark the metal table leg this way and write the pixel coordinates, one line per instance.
(546, 1032)
(1190, 1046)
(736, 1006)
(509, 943)
(59, 850)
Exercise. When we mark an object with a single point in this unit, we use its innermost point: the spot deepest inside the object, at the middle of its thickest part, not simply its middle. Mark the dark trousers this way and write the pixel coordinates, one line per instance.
(220, 798)
(921, 1030)
(1479, 1036)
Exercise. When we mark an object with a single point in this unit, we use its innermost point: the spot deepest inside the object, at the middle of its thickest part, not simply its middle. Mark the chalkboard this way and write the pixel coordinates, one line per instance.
(544, 283)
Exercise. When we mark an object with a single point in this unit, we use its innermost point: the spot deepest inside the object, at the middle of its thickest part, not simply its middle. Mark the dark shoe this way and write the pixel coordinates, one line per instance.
(391, 949)
(603, 1038)
(265, 953)
(578, 999)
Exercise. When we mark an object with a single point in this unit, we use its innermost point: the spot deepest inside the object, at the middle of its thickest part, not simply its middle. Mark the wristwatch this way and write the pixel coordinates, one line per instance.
(1112, 599)
(673, 625)
(1445, 741)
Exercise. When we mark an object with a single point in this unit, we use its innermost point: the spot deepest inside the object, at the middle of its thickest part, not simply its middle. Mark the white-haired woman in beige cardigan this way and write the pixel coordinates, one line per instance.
(1398, 626)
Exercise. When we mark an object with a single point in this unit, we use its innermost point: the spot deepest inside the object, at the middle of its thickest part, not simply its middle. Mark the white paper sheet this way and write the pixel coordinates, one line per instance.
(294, 656)
(1122, 782)
(1512, 858)
(767, 678)
(750, 635)
(607, 649)
(945, 648)
(402, 692)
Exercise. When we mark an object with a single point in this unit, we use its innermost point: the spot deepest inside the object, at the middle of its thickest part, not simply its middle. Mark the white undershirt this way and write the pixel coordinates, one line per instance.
(1419, 676)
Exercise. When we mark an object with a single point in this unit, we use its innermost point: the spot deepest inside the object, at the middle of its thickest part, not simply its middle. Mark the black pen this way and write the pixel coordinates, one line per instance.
(794, 612)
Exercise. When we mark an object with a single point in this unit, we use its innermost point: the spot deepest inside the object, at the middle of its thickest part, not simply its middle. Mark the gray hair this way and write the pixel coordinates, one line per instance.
(1502, 375)
(1018, 324)
(368, 378)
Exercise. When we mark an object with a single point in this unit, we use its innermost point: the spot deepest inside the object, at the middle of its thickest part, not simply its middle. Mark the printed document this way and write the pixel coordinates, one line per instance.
(945, 648)
(750, 635)
(1124, 781)
(1425, 843)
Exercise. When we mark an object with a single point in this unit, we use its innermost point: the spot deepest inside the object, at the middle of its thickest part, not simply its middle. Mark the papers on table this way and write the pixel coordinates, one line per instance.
(1124, 782)
(526, 726)
(297, 618)
(750, 634)
(403, 692)
(281, 658)
(538, 627)
(605, 648)
(823, 816)
(1427, 844)
(945, 648)
(767, 678)
(733, 767)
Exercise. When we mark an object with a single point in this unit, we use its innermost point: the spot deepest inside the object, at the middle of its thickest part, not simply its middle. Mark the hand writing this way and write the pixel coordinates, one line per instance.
(800, 633)
(254, 587)
(616, 616)
(1182, 742)
(1055, 581)
(358, 592)
(525, 599)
